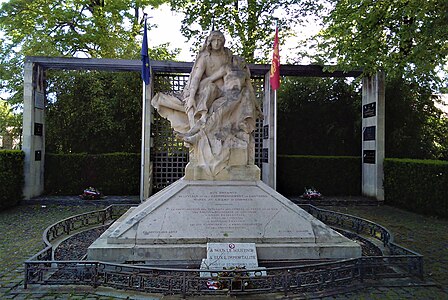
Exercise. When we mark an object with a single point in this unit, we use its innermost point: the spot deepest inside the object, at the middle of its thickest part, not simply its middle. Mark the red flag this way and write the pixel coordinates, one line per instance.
(275, 66)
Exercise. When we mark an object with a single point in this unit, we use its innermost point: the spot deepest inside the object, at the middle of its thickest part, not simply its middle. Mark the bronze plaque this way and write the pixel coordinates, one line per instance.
(368, 157)
(38, 129)
(265, 132)
(38, 155)
(265, 155)
(369, 110)
(369, 133)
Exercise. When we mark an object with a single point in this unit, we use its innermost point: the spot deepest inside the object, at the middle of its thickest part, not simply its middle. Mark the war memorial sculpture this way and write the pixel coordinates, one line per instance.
(221, 198)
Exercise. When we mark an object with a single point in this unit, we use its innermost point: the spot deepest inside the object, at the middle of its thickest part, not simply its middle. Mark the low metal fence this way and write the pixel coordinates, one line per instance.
(398, 262)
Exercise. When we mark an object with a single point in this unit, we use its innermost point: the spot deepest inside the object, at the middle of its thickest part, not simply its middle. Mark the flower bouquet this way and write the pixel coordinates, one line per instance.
(311, 193)
(91, 193)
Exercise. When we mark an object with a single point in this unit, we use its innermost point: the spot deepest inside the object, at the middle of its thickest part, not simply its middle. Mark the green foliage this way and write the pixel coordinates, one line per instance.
(322, 117)
(95, 112)
(330, 175)
(318, 117)
(112, 173)
(97, 29)
(415, 128)
(250, 23)
(64, 28)
(11, 177)
(406, 38)
(10, 122)
(417, 185)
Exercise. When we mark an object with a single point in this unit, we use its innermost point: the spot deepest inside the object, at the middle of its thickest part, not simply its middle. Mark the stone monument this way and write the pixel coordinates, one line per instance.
(221, 198)
(215, 115)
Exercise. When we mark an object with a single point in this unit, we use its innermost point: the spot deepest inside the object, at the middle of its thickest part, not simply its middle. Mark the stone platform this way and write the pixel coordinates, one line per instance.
(174, 226)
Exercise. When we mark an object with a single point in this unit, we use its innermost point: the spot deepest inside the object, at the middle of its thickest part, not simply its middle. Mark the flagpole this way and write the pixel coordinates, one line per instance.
(275, 140)
(275, 129)
(142, 169)
(143, 140)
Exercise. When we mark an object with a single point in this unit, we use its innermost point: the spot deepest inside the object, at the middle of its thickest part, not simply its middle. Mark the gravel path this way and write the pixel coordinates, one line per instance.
(75, 247)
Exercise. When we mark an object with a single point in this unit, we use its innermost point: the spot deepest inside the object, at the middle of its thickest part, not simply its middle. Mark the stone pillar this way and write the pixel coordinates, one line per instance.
(373, 122)
(147, 142)
(33, 129)
(269, 126)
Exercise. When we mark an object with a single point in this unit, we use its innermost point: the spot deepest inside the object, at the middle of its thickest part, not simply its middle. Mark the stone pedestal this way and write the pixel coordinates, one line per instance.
(174, 226)
(229, 173)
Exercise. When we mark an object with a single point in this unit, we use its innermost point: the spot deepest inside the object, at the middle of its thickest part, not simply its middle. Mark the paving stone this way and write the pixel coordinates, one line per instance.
(34, 295)
(76, 297)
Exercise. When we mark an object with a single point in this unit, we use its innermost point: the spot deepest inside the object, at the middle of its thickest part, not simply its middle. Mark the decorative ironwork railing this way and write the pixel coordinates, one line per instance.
(74, 223)
(398, 262)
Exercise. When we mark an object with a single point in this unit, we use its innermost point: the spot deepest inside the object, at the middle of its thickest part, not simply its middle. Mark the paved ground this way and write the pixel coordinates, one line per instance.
(21, 236)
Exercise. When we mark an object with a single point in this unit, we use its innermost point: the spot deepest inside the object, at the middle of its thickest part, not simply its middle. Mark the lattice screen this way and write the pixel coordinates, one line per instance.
(258, 84)
(168, 155)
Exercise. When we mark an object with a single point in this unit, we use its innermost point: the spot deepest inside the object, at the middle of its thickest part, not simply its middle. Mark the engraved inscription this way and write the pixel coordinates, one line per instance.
(227, 210)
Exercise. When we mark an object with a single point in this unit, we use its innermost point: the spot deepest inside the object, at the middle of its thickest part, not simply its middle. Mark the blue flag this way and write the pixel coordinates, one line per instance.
(145, 58)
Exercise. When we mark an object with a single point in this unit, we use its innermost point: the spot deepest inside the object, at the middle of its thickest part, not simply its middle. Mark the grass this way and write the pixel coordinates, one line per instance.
(424, 234)
(21, 230)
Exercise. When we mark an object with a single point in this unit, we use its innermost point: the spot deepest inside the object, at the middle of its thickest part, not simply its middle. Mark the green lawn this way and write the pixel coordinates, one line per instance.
(424, 234)
(21, 230)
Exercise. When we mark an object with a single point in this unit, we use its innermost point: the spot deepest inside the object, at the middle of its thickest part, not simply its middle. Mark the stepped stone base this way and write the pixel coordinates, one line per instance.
(175, 225)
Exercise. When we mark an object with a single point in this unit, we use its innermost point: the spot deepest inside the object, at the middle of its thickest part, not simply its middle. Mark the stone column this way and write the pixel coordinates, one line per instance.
(373, 122)
(147, 141)
(269, 125)
(33, 129)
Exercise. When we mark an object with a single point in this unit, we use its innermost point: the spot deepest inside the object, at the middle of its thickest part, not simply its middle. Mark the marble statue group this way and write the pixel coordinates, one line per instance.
(216, 113)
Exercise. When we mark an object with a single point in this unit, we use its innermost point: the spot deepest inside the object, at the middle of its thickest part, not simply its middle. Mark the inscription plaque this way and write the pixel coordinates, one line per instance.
(38, 155)
(228, 255)
(265, 155)
(369, 133)
(368, 157)
(225, 255)
(38, 129)
(39, 100)
(369, 110)
(265, 132)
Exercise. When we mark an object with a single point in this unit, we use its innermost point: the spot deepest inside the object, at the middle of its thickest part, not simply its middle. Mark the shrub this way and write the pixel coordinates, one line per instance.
(11, 177)
(331, 175)
(111, 173)
(417, 185)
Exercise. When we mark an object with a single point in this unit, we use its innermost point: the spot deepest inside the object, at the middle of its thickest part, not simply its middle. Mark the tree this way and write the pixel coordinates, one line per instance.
(250, 23)
(10, 122)
(318, 116)
(92, 28)
(88, 111)
(406, 38)
(95, 112)
(415, 128)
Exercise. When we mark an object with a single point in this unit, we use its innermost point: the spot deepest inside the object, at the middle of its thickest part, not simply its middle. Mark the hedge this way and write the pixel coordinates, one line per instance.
(11, 177)
(417, 185)
(111, 173)
(330, 175)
